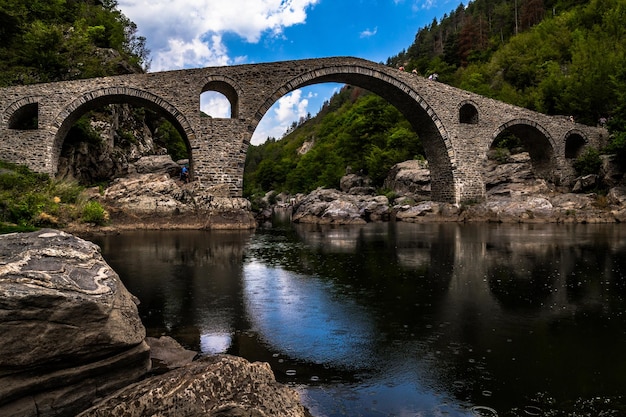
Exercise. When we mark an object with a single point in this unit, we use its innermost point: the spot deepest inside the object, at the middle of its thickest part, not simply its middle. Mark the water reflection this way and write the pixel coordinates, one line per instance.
(298, 316)
(188, 282)
(406, 319)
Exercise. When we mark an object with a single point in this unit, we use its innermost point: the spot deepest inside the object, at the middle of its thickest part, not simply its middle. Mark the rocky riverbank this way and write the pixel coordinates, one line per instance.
(153, 197)
(514, 195)
(73, 344)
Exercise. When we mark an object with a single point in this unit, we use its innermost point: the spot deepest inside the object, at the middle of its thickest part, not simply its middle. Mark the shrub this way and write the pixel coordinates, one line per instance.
(500, 155)
(93, 212)
(588, 162)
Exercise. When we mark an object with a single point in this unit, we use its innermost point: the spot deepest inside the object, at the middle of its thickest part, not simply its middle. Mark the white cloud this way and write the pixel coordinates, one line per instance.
(282, 114)
(423, 5)
(188, 33)
(215, 104)
(368, 33)
(194, 53)
(291, 107)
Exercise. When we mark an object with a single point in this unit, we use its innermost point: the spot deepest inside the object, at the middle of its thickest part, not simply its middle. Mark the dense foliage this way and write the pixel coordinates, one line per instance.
(356, 130)
(55, 40)
(29, 200)
(554, 56)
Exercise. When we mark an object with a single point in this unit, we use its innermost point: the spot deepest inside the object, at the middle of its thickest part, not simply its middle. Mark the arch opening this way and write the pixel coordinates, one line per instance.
(215, 105)
(468, 114)
(520, 153)
(104, 138)
(219, 99)
(355, 133)
(423, 120)
(574, 145)
(25, 118)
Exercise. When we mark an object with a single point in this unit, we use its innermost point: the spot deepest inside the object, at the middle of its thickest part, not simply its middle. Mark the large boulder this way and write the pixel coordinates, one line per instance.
(612, 170)
(150, 194)
(512, 177)
(222, 385)
(356, 184)
(410, 178)
(70, 329)
(157, 164)
(156, 200)
(617, 196)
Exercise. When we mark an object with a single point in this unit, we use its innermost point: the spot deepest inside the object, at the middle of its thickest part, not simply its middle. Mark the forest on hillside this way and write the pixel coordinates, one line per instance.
(553, 56)
(44, 41)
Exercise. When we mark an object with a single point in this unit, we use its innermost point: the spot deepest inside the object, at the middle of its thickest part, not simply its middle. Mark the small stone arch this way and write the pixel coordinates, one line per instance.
(575, 142)
(468, 112)
(539, 143)
(435, 139)
(22, 114)
(112, 95)
(226, 86)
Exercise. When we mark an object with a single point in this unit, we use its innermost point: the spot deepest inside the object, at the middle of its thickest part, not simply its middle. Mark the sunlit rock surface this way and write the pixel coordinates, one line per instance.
(159, 200)
(70, 329)
(213, 386)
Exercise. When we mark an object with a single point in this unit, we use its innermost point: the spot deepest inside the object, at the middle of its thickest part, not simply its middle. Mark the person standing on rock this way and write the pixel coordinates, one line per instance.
(184, 174)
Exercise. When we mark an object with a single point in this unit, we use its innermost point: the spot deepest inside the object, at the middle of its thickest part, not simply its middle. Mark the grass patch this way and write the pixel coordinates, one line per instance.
(30, 200)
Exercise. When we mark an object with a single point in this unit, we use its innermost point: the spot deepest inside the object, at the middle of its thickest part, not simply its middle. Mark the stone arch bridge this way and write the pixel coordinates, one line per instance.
(456, 127)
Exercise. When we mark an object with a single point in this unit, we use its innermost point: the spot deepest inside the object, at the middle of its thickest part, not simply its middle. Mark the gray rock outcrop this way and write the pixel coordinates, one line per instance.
(356, 184)
(513, 194)
(219, 385)
(70, 329)
(166, 353)
(329, 206)
(155, 197)
(119, 137)
(410, 178)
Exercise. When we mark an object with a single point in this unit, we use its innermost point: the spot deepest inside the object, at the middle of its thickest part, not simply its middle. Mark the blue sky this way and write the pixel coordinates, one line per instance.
(204, 33)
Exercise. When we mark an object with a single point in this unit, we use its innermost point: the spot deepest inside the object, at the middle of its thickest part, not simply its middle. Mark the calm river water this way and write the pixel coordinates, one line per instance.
(399, 319)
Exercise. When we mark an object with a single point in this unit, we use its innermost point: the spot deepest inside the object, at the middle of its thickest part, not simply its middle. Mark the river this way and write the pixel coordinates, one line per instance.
(399, 319)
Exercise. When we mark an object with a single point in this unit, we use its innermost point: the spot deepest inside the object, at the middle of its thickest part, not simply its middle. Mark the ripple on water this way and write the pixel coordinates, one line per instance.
(531, 410)
(483, 411)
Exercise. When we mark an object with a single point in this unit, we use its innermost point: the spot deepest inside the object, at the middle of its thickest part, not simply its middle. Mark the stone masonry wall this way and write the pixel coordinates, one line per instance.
(218, 146)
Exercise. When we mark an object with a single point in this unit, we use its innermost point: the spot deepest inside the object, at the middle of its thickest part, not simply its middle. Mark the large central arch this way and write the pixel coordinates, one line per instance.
(424, 120)
(117, 95)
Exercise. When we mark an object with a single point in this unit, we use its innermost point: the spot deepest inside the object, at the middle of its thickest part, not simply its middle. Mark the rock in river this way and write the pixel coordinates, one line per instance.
(70, 329)
(221, 385)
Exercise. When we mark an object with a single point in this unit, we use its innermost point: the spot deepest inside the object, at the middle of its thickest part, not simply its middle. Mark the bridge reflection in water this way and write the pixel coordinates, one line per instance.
(386, 319)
